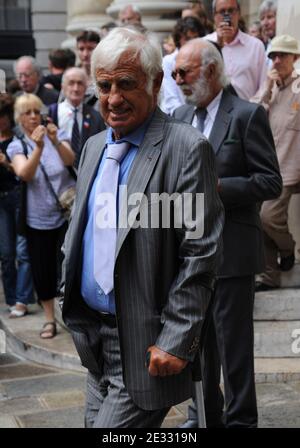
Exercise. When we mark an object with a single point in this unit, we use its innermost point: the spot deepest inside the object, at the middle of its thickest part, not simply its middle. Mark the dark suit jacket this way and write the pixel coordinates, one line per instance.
(161, 278)
(248, 170)
(48, 96)
(92, 123)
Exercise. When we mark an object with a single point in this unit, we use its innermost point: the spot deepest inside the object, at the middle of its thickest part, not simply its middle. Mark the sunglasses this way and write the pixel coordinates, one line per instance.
(183, 72)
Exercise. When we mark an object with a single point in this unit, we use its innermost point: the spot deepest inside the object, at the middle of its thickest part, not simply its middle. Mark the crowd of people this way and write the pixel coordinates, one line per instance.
(230, 129)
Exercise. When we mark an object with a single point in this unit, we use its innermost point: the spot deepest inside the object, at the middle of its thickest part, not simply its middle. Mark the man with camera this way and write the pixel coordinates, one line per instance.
(244, 55)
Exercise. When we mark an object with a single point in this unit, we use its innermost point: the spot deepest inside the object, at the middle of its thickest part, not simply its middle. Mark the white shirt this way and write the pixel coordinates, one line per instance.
(245, 63)
(65, 115)
(212, 110)
(171, 94)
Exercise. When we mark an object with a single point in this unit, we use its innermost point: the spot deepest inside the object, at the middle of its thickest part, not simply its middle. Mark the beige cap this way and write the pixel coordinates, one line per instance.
(284, 44)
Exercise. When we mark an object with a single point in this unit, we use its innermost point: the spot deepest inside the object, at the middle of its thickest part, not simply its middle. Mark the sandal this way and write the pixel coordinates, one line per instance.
(50, 332)
(19, 310)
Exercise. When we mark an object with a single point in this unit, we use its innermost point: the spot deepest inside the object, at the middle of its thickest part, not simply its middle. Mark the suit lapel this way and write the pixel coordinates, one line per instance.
(142, 169)
(188, 114)
(222, 122)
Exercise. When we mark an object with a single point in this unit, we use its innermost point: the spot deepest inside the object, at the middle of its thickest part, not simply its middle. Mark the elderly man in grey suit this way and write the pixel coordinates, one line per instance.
(137, 289)
(248, 173)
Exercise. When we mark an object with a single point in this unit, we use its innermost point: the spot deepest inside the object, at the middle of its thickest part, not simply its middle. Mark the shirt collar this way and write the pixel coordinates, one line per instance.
(135, 137)
(213, 106)
(239, 38)
(71, 107)
(288, 81)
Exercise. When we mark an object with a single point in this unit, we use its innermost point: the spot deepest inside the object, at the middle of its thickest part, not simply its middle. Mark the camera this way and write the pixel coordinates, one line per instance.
(45, 120)
(227, 19)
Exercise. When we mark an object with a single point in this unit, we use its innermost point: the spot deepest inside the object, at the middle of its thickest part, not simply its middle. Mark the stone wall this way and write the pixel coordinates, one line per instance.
(49, 21)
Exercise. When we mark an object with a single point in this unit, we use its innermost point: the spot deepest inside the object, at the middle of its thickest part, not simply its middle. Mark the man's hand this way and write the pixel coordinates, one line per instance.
(273, 77)
(164, 364)
(38, 136)
(225, 33)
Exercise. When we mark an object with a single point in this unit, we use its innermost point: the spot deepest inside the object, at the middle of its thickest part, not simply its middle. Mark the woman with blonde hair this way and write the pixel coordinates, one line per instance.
(15, 266)
(40, 158)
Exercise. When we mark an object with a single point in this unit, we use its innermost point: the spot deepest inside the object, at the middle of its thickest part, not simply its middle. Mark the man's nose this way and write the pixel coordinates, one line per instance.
(179, 80)
(115, 95)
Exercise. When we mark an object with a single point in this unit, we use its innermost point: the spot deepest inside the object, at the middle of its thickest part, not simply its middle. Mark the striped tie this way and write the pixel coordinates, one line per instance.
(75, 140)
(105, 223)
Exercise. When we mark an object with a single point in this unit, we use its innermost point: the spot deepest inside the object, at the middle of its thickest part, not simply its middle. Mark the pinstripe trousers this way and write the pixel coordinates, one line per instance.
(108, 404)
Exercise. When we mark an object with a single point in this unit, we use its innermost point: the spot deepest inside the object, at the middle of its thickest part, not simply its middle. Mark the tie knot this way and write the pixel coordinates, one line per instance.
(75, 110)
(117, 151)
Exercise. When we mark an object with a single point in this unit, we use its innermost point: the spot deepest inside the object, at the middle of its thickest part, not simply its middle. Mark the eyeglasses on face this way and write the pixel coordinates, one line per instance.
(182, 72)
(24, 75)
(273, 56)
(230, 11)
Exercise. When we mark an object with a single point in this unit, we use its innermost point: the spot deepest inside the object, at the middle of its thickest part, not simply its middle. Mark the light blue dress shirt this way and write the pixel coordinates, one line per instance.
(90, 290)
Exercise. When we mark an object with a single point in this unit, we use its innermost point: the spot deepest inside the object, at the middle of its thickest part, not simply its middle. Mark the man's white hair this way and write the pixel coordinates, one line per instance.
(35, 66)
(210, 55)
(268, 5)
(144, 46)
(78, 70)
(134, 8)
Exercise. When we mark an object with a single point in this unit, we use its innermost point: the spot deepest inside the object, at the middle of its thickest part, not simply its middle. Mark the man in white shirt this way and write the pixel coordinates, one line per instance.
(79, 120)
(185, 30)
(244, 55)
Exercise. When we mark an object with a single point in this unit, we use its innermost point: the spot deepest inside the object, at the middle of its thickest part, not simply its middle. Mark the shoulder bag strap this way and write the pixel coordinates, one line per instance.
(48, 182)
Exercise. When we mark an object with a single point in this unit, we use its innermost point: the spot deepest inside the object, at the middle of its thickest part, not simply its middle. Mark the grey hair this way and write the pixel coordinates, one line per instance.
(134, 8)
(214, 3)
(32, 61)
(210, 55)
(79, 70)
(268, 5)
(119, 40)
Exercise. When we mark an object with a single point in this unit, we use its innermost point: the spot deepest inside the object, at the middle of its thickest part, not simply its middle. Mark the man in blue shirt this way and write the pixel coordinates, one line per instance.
(136, 293)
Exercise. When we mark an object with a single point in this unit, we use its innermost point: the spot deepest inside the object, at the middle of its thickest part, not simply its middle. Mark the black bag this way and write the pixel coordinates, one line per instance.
(22, 216)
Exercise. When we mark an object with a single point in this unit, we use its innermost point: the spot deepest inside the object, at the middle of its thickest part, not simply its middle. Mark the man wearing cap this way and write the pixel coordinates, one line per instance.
(281, 98)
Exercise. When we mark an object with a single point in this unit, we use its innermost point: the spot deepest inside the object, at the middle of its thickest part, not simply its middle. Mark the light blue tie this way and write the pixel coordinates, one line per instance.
(105, 216)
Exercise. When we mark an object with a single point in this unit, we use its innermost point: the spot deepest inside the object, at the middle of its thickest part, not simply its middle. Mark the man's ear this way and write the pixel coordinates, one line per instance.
(210, 71)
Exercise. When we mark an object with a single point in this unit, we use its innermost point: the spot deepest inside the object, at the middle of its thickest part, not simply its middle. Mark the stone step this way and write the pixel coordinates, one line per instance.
(278, 305)
(274, 343)
(277, 339)
(291, 279)
(22, 339)
(276, 370)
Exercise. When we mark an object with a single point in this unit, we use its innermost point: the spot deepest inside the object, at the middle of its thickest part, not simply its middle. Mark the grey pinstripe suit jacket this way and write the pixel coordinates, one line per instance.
(160, 276)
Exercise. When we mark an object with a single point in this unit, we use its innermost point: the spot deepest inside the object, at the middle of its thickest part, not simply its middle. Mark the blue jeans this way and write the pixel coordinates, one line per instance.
(15, 265)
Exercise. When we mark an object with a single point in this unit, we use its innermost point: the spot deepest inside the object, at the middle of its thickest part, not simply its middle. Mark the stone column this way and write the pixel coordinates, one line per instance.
(87, 14)
(157, 15)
